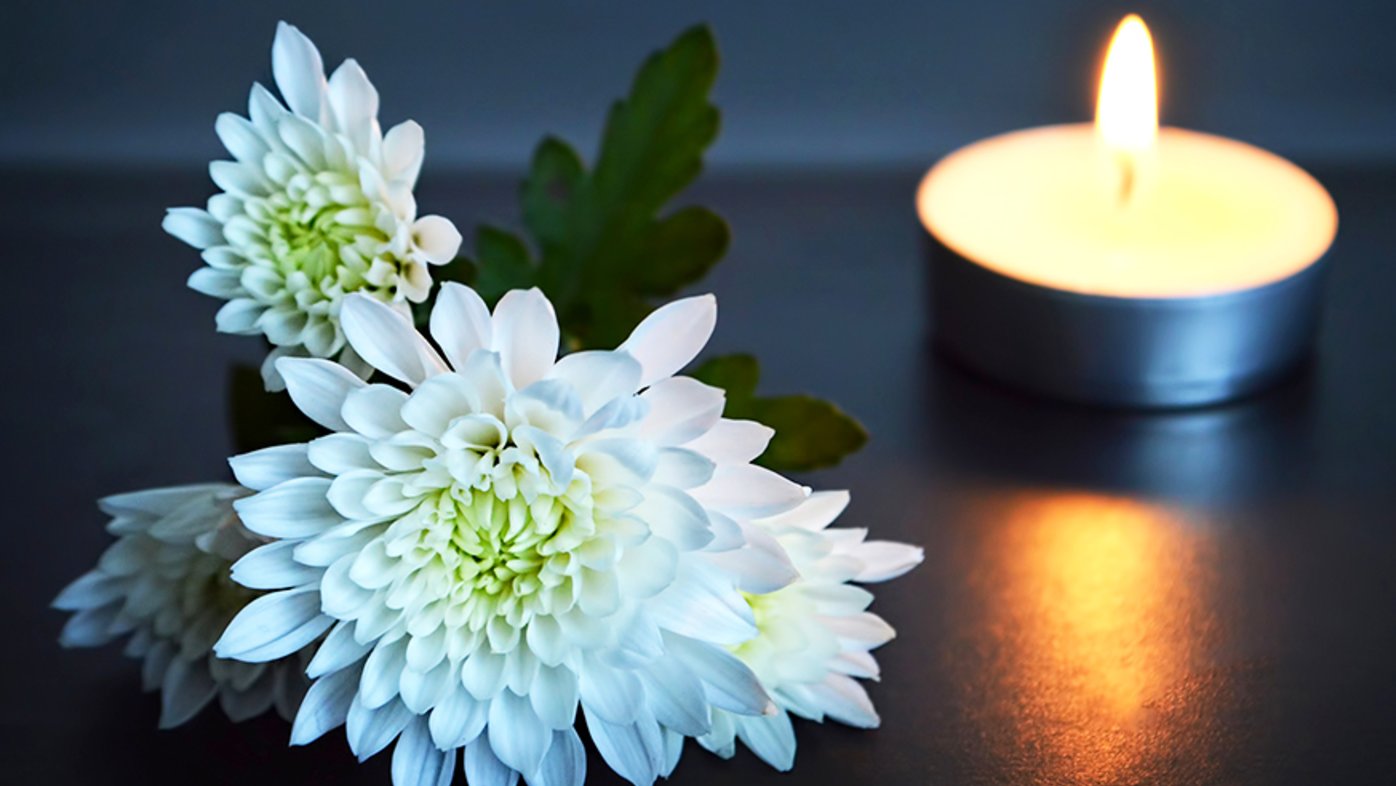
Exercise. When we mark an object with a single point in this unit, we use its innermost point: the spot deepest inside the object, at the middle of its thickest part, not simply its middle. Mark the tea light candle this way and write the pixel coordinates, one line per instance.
(1121, 263)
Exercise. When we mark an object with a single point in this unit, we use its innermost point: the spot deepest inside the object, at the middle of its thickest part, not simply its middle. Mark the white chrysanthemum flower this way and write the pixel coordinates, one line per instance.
(165, 581)
(816, 634)
(510, 538)
(317, 204)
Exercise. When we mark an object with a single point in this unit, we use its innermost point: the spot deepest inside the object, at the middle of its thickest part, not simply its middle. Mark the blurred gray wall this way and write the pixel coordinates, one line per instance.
(813, 83)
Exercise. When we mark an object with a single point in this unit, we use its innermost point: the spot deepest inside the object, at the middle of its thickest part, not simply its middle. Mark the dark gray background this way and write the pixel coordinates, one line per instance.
(1243, 556)
(817, 82)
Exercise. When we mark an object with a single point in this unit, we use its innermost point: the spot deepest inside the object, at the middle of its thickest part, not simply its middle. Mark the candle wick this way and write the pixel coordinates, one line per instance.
(1127, 179)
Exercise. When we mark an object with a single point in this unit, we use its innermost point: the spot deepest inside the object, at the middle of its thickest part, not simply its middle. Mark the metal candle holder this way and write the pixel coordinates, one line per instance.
(1121, 351)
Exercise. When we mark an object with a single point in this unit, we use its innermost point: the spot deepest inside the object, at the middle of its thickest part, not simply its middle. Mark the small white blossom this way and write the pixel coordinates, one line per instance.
(509, 537)
(316, 204)
(815, 634)
(166, 583)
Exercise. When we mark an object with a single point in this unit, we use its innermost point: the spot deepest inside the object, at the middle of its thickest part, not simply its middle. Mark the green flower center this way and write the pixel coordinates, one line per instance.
(488, 557)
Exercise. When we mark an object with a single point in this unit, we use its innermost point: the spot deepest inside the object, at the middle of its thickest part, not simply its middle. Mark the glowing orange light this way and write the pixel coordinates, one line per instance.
(1126, 109)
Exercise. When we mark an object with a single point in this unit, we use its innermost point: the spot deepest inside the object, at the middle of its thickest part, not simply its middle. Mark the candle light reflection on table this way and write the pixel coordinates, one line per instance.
(1101, 637)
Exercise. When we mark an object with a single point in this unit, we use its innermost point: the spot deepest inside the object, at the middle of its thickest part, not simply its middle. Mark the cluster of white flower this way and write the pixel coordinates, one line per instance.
(317, 203)
(165, 582)
(497, 540)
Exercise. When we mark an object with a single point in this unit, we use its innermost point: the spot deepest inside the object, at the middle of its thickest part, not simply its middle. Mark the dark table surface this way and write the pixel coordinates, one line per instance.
(1107, 597)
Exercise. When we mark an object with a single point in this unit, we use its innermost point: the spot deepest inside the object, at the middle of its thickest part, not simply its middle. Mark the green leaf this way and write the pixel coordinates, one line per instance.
(603, 243)
(552, 182)
(259, 419)
(736, 374)
(504, 263)
(682, 248)
(810, 433)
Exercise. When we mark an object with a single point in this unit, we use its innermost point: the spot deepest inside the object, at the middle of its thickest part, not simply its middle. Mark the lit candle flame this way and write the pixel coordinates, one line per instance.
(1126, 113)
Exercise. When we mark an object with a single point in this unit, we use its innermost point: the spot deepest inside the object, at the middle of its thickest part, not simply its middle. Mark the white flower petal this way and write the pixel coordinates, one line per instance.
(683, 468)
(770, 737)
(617, 414)
(242, 180)
(518, 737)
(403, 148)
(666, 340)
(319, 389)
(325, 706)
(324, 549)
(371, 730)
(225, 284)
(728, 682)
(241, 705)
(239, 316)
(307, 141)
(525, 336)
(814, 514)
(273, 566)
(460, 323)
(749, 490)
(647, 569)
(265, 112)
(187, 689)
(761, 566)
(382, 669)
(565, 763)
(844, 700)
(387, 341)
(241, 138)
(673, 749)
(89, 591)
(158, 501)
(298, 70)
(733, 441)
(483, 768)
(193, 226)
(546, 639)
(635, 751)
(425, 652)
(274, 626)
(437, 238)
(417, 762)
(864, 631)
(354, 101)
(422, 690)
(676, 697)
(457, 720)
(483, 674)
(340, 453)
(337, 652)
(262, 469)
(555, 695)
(704, 604)
(614, 694)
(89, 627)
(680, 410)
(598, 377)
(348, 491)
(884, 559)
(294, 509)
(856, 664)
(271, 378)
(375, 411)
(675, 516)
(437, 402)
